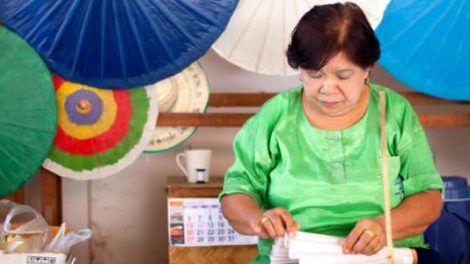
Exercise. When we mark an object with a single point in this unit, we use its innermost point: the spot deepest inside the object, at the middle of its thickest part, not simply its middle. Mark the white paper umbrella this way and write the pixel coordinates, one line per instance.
(187, 91)
(259, 31)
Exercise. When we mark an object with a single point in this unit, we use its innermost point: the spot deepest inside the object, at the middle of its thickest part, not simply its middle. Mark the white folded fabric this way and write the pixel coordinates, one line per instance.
(309, 248)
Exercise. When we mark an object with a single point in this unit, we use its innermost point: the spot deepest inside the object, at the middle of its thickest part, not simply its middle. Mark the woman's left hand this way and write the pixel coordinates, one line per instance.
(367, 237)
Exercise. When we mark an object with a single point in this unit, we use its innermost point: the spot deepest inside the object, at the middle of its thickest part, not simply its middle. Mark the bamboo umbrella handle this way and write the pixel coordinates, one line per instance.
(385, 180)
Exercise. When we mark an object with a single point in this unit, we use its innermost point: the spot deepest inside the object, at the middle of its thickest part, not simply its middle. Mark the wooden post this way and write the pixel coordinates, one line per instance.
(51, 196)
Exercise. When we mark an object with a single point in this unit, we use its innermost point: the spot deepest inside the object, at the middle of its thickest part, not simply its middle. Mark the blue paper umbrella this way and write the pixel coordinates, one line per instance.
(118, 43)
(426, 45)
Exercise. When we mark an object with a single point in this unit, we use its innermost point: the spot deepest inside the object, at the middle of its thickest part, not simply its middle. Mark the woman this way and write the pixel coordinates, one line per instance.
(310, 158)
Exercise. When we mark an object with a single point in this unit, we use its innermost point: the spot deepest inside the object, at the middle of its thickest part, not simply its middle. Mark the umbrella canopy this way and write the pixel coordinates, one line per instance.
(187, 92)
(426, 45)
(28, 112)
(259, 31)
(118, 43)
(100, 132)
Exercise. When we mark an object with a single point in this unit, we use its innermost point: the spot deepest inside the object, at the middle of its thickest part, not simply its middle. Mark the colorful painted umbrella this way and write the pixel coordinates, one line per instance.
(118, 43)
(426, 45)
(100, 132)
(28, 113)
(259, 31)
(187, 91)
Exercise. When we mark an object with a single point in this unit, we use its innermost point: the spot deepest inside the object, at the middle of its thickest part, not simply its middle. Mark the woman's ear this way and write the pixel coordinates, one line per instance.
(299, 72)
(367, 75)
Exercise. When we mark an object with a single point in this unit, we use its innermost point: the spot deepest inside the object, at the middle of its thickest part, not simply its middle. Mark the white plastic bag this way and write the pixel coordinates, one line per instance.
(24, 230)
(62, 243)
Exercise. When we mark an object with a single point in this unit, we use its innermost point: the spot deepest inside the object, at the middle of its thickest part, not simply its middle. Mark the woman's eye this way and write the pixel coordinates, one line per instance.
(315, 76)
(343, 77)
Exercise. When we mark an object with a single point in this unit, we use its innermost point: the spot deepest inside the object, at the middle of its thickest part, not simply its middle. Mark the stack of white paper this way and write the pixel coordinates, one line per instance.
(309, 248)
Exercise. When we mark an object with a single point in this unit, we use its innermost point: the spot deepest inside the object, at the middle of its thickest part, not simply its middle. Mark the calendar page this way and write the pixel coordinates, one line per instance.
(199, 222)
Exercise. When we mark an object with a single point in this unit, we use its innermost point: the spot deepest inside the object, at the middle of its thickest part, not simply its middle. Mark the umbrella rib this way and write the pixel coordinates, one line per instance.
(18, 143)
(134, 30)
(158, 37)
(21, 8)
(461, 46)
(307, 3)
(265, 33)
(245, 29)
(296, 9)
(63, 26)
(47, 15)
(119, 41)
(81, 34)
(402, 6)
(28, 128)
(171, 18)
(241, 4)
(103, 36)
(410, 24)
(6, 180)
(201, 14)
(445, 39)
(284, 37)
(3, 177)
(435, 23)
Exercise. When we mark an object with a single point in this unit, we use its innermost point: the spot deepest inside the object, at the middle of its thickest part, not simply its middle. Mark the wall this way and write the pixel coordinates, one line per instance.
(127, 211)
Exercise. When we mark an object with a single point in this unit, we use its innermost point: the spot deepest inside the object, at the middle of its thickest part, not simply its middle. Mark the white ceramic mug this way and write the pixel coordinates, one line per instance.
(197, 164)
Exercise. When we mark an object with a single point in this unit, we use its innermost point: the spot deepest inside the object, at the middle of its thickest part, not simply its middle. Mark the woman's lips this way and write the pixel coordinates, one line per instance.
(329, 104)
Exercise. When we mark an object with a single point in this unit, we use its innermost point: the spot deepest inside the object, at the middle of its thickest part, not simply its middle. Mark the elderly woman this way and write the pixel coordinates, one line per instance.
(310, 158)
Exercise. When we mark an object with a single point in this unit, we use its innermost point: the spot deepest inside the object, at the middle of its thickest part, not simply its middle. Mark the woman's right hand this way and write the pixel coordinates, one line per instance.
(275, 223)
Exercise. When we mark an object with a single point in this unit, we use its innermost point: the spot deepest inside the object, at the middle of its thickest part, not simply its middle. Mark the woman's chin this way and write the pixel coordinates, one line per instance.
(332, 105)
(333, 109)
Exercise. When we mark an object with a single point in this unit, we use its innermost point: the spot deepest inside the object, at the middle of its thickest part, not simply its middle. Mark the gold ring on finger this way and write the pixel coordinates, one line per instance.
(370, 233)
(265, 219)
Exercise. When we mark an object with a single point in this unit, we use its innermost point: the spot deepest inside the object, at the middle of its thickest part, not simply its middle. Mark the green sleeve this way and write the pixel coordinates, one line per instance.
(417, 166)
(253, 151)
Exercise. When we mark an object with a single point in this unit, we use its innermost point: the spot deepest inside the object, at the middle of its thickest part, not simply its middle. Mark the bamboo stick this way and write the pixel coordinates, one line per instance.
(385, 179)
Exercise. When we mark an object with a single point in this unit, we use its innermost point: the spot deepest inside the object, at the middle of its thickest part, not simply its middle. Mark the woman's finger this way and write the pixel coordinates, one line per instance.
(349, 242)
(268, 226)
(290, 224)
(278, 225)
(380, 244)
(375, 245)
(370, 249)
(259, 229)
(366, 237)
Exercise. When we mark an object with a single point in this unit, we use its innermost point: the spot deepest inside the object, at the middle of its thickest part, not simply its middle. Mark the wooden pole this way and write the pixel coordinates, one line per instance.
(385, 180)
(51, 192)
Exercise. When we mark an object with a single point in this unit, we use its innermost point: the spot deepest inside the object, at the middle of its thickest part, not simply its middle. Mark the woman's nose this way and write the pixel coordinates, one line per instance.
(327, 86)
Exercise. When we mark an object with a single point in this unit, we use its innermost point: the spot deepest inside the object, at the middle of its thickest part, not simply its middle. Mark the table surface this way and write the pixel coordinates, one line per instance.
(178, 186)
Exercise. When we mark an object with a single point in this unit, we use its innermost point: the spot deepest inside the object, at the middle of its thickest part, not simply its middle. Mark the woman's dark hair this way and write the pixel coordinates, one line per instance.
(326, 30)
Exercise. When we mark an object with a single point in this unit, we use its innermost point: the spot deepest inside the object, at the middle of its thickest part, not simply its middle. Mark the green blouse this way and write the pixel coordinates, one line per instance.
(328, 180)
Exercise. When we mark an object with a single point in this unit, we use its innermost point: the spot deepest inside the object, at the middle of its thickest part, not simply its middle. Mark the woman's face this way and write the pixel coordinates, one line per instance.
(335, 89)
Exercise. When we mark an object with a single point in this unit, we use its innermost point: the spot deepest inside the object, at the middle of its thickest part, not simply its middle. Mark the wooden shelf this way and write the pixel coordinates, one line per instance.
(429, 120)
(437, 120)
(257, 99)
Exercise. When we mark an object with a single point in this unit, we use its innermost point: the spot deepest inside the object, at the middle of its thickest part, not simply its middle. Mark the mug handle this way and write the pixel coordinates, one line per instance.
(180, 165)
